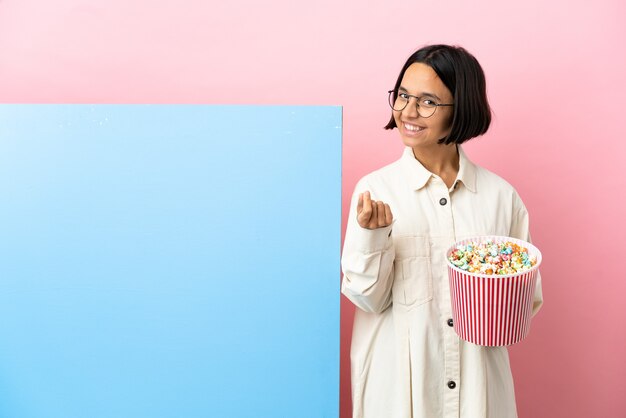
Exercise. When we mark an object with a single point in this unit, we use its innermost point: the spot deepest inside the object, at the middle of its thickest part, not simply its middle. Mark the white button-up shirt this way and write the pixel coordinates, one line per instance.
(406, 359)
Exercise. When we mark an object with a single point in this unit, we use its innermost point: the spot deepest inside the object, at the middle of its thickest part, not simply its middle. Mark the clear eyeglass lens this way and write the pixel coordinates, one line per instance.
(426, 107)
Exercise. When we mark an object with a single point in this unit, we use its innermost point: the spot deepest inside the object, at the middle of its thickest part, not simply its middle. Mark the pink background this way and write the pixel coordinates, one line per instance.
(555, 80)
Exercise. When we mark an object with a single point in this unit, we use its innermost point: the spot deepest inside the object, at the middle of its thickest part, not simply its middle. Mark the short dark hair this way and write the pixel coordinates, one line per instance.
(464, 77)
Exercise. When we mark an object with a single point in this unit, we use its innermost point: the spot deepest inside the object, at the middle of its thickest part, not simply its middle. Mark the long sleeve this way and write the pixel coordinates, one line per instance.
(367, 261)
(520, 229)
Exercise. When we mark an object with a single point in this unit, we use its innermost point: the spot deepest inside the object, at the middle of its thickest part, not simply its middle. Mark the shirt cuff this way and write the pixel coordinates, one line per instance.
(373, 240)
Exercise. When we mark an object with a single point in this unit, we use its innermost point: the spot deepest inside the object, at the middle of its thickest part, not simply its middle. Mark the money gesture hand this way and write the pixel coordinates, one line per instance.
(372, 214)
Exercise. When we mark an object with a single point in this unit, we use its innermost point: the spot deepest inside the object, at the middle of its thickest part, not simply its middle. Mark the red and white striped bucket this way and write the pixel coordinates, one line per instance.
(492, 310)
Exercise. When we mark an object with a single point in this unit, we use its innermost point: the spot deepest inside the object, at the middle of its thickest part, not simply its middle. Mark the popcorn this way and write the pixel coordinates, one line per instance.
(490, 257)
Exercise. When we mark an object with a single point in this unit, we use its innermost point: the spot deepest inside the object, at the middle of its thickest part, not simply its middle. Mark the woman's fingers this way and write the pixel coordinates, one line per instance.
(372, 214)
(364, 210)
(388, 215)
(374, 217)
(359, 205)
(380, 211)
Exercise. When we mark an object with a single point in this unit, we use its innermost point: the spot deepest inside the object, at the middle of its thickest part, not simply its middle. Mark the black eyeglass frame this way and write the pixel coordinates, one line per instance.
(417, 104)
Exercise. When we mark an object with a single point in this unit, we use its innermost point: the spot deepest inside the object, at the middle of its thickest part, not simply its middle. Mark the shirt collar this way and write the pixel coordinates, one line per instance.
(467, 171)
(418, 175)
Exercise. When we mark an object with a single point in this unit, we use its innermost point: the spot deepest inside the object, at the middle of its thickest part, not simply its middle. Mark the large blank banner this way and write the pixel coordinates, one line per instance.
(169, 261)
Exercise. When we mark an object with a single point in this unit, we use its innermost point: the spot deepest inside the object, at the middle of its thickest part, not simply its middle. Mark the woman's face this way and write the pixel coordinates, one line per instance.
(416, 131)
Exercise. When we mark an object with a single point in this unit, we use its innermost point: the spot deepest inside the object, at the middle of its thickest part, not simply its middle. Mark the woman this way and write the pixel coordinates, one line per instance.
(407, 361)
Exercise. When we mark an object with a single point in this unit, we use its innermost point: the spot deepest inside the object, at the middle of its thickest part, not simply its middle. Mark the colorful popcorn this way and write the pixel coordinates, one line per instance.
(491, 257)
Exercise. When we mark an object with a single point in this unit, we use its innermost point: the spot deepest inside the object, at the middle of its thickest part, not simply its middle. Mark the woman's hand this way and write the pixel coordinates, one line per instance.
(371, 214)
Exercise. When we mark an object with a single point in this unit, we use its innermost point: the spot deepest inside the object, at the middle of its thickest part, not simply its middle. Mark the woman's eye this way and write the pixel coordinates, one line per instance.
(404, 96)
(427, 102)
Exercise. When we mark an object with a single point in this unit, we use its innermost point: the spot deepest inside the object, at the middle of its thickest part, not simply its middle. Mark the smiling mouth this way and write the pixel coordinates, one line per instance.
(412, 128)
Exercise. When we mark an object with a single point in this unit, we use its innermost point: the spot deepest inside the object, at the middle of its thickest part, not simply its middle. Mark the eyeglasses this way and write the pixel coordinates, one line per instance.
(425, 105)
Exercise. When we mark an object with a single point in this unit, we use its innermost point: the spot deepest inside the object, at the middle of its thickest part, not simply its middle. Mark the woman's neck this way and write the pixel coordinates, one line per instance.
(441, 160)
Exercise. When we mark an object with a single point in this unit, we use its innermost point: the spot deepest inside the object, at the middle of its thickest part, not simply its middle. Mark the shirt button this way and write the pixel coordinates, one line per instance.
(451, 384)
(443, 201)
(450, 323)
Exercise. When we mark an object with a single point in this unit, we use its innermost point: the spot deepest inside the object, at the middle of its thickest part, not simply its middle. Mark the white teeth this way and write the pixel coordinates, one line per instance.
(412, 127)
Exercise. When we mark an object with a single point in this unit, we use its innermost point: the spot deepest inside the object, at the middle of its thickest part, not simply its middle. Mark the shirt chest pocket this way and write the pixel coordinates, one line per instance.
(412, 282)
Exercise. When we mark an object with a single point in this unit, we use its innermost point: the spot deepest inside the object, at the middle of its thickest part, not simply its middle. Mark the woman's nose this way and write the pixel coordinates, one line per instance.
(411, 108)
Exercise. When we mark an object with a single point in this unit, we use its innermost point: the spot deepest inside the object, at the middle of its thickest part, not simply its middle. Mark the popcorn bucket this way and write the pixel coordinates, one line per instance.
(492, 310)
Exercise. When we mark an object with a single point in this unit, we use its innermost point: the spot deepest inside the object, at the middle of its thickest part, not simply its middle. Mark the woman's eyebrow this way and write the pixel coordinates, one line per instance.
(431, 95)
(421, 95)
